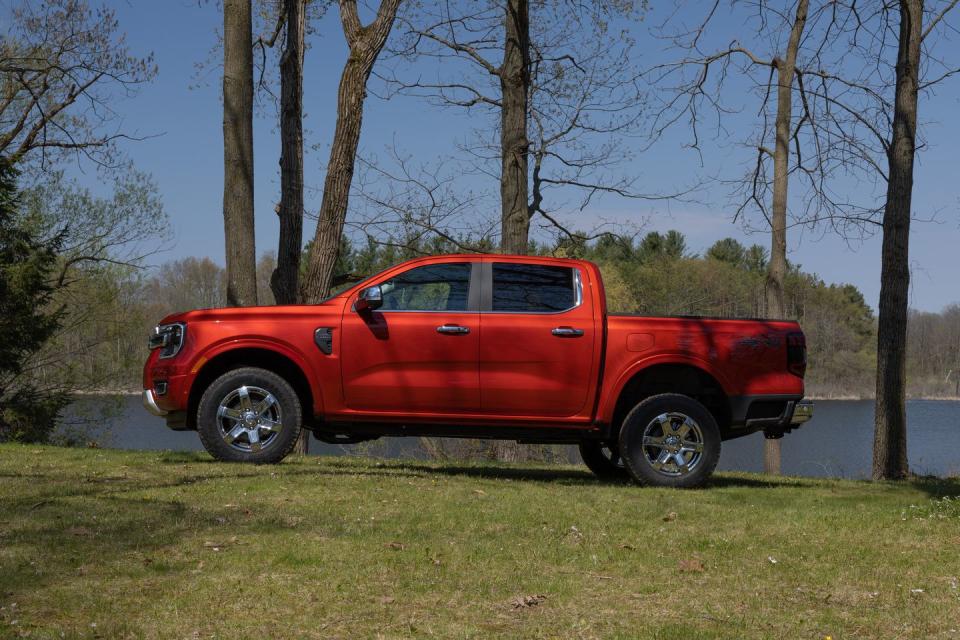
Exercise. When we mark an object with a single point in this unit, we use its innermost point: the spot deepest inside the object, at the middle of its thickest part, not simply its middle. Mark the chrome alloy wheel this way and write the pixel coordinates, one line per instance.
(673, 444)
(249, 419)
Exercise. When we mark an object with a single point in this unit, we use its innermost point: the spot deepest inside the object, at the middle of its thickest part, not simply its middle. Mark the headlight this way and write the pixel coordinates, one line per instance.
(168, 338)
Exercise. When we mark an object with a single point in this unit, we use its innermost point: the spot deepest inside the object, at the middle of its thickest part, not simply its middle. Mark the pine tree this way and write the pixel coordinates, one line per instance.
(27, 321)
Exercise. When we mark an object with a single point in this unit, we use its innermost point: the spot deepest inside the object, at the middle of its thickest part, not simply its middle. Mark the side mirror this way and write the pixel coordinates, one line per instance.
(370, 298)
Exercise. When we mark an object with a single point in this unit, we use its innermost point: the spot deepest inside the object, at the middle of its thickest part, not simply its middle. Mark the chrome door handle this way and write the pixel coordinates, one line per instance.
(567, 332)
(454, 329)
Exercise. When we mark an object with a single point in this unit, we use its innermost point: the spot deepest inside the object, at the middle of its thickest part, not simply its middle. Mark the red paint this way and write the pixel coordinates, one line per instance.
(509, 370)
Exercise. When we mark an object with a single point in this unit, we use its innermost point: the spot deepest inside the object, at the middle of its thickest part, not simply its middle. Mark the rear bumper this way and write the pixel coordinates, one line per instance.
(775, 415)
(802, 412)
(794, 416)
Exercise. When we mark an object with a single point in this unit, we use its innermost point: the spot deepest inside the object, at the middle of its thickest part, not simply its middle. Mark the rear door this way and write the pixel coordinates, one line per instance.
(418, 352)
(537, 338)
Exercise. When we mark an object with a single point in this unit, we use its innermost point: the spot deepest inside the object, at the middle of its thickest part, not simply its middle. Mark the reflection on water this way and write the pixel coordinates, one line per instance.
(837, 442)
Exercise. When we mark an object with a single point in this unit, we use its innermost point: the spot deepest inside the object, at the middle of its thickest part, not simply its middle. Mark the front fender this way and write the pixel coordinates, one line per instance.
(279, 347)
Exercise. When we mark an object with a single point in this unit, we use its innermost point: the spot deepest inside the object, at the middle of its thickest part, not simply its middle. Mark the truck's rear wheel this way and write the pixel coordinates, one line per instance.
(670, 440)
(603, 458)
(249, 415)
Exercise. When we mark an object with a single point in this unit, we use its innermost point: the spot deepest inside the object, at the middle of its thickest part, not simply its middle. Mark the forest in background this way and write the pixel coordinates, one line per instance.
(113, 307)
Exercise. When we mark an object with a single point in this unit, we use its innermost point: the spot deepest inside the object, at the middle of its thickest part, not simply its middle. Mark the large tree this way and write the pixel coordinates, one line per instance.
(365, 43)
(867, 112)
(514, 76)
(558, 85)
(63, 66)
(238, 220)
(890, 434)
(704, 88)
(285, 279)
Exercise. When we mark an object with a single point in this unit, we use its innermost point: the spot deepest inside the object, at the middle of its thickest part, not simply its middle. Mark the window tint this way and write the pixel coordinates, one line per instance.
(532, 287)
(435, 287)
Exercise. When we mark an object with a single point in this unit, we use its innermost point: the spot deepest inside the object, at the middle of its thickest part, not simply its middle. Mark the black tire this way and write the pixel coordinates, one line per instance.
(677, 428)
(603, 458)
(275, 443)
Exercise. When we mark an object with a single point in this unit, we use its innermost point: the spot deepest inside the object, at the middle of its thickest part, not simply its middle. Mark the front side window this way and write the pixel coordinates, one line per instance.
(433, 287)
(533, 288)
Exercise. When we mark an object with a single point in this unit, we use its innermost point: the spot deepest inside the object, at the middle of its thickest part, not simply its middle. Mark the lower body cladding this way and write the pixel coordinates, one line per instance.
(349, 432)
(774, 416)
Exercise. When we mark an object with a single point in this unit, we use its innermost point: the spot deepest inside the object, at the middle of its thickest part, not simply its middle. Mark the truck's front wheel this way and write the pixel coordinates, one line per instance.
(249, 415)
(670, 440)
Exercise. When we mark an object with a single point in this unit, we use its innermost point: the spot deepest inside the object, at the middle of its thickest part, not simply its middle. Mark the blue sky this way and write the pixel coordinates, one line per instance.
(186, 158)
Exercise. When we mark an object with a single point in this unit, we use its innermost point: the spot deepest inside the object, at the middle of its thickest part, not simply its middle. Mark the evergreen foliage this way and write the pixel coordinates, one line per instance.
(27, 320)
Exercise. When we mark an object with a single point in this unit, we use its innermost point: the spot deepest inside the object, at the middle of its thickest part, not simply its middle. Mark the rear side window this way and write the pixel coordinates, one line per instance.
(532, 288)
(435, 287)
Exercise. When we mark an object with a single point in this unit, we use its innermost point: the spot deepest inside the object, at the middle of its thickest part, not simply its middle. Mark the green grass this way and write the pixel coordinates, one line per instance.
(97, 543)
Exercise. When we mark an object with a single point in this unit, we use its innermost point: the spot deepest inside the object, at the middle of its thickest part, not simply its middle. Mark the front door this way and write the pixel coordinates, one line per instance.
(418, 352)
(537, 338)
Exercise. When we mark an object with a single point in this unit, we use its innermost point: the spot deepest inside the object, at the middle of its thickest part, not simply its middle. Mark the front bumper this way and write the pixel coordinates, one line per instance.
(150, 404)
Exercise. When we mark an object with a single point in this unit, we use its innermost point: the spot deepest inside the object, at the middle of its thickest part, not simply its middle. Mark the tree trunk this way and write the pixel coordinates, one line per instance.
(365, 45)
(514, 87)
(241, 253)
(285, 277)
(890, 434)
(777, 268)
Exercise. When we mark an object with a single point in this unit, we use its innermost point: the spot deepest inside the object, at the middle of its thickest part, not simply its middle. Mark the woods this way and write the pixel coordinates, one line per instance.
(655, 275)
(563, 108)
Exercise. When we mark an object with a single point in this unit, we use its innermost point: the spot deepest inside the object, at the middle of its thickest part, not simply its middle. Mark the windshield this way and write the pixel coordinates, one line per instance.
(339, 289)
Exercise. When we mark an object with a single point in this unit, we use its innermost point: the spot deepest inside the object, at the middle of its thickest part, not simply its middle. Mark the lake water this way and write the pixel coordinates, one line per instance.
(838, 442)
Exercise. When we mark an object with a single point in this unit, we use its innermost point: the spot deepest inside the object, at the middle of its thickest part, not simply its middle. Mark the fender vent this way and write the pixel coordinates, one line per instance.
(323, 336)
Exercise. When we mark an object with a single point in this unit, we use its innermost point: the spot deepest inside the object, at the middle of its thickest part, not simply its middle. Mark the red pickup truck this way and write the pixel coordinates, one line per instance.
(480, 346)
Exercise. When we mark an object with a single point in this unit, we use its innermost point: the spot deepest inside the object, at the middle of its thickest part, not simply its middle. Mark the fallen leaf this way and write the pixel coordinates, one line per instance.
(693, 565)
(670, 517)
(525, 602)
(396, 546)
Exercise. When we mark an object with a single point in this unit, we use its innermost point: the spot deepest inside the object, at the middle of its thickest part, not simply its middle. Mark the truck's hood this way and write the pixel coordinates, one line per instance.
(234, 314)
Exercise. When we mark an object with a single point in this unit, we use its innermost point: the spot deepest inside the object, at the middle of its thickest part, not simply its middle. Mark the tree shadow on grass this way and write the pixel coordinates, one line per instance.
(354, 465)
(496, 472)
(761, 482)
(569, 476)
(349, 465)
(936, 487)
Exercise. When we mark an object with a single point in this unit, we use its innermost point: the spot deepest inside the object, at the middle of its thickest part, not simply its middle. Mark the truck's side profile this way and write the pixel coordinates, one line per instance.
(486, 346)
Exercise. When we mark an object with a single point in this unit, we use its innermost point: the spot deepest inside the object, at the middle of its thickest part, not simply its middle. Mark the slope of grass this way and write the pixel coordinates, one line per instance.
(97, 543)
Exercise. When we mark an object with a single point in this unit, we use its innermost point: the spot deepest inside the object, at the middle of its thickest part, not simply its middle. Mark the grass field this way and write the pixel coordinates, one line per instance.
(97, 543)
